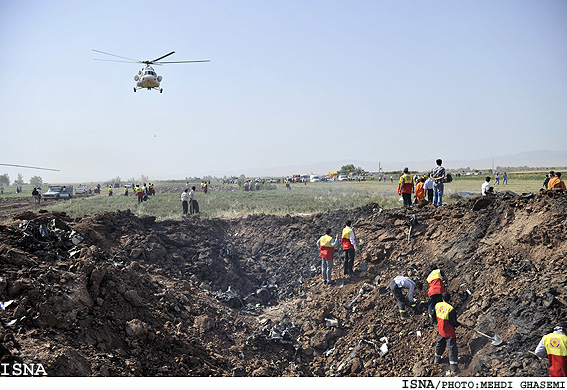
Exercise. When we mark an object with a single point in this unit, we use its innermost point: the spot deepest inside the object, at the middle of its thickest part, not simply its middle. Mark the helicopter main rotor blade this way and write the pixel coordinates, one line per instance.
(157, 59)
(182, 62)
(114, 55)
(130, 62)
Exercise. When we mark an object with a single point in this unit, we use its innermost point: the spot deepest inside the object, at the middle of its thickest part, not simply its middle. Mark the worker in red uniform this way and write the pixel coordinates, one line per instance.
(349, 247)
(446, 324)
(436, 289)
(327, 245)
(405, 187)
(554, 347)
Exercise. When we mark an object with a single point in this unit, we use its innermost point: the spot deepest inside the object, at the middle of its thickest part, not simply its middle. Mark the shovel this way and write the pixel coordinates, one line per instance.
(496, 340)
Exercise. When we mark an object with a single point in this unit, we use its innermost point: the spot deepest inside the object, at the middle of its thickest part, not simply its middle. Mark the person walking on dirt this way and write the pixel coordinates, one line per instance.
(193, 205)
(438, 175)
(349, 247)
(505, 178)
(405, 187)
(185, 201)
(436, 289)
(419, 190)
(446, 324)
(396, 285)
(327, 245)
(554, 347)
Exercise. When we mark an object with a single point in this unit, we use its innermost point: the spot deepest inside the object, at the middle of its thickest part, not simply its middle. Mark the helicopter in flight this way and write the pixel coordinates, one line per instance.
(147, 76)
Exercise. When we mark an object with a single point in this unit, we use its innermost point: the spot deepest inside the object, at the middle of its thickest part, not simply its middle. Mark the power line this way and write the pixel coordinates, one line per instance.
(26, 166)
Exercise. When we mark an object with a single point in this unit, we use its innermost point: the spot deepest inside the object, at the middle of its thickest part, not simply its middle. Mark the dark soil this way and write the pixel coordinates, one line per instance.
(244, 297)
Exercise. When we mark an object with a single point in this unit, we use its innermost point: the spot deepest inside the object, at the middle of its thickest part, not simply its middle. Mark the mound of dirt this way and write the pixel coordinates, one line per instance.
(117, 295)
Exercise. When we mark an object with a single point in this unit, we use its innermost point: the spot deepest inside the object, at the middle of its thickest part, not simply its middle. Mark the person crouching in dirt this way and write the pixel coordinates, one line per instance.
(436, 288)
(327, 245)
(555, 183)
(446, 324)
(554, 347)
(349, 247)
(396, 285)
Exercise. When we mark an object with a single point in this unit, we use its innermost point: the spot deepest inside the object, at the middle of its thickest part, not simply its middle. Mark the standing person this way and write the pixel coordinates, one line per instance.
(405, 187)
(419, 191)
(185, 201)
(35, 195)
(396, 286)
(110, 190)
(446, 324)
(485, 188)
(139, 194)
(327, 245)
(125, 191)
(205, 187)
(436, 288)
(505, 178)
(428, 187)
(349, 247)
(193, 206)
(554, 347)
(548, 178)
(287, 185)
(438, 175)
(555, 183)
(39, 195)
(497, 179)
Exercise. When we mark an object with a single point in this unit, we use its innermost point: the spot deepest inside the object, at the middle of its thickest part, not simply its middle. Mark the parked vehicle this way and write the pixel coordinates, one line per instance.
(342, 177)
(314, 178)
(59, 192)
(82, 189)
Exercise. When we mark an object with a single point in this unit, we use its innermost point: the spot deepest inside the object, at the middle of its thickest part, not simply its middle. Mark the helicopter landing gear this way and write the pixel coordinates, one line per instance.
(161, 90)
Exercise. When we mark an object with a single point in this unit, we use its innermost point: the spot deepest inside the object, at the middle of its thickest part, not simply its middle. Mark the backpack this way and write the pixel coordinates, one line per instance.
(448, 178)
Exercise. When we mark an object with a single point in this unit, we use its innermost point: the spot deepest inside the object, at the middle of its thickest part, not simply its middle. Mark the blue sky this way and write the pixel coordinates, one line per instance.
(289, 83)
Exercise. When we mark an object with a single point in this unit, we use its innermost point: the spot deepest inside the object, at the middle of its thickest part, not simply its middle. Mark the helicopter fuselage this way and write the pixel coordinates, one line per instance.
(147, 78)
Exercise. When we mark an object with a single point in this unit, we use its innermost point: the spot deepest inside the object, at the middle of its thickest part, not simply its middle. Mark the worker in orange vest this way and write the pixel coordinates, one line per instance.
(327, 245)
(446, 324)
(436, 289)
(419, 190)
(554, 346)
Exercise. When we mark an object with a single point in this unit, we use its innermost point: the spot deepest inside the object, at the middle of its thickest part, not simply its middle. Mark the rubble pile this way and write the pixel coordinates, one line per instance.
(114, 294)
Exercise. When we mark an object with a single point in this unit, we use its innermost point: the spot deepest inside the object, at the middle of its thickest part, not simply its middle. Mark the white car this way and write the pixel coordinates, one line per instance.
(314, 178)
(342, 178)
(81, 190)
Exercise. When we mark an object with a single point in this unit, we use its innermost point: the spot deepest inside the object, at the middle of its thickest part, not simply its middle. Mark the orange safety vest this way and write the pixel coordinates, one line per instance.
(556, 347)
(442, 310)
(327, 250)
(435, 280)
(346, 239)
(419, 192)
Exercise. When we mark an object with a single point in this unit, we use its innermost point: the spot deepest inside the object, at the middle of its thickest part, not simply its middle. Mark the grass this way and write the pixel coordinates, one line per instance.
(302, 199)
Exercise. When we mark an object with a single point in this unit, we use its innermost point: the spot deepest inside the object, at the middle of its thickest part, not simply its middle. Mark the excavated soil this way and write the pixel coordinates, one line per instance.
(117, 295)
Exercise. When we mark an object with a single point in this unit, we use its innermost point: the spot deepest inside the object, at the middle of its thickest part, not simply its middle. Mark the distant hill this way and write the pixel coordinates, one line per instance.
(535, 159)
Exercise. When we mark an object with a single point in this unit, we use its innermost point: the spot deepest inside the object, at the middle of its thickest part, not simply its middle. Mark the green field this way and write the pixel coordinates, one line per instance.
(302, 199)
